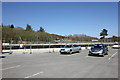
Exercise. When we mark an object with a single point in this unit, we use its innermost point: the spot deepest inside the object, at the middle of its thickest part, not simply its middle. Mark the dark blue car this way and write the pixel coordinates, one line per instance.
(98, 49)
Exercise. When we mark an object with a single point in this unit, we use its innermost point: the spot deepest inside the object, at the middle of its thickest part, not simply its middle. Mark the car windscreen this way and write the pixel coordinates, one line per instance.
(76, 45)
(68, 46)
(97, 46)
(115, 44)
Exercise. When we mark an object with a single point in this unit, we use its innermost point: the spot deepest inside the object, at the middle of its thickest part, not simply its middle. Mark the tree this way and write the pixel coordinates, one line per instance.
(103, 33)
(114, 38)
(2, 25)
(42, 29)
(12, 26)
(28, 27)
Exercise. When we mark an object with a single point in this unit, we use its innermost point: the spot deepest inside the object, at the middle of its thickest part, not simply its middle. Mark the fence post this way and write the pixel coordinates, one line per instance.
(30, 48)
(49, 47)
(10, 46)
(1, 46)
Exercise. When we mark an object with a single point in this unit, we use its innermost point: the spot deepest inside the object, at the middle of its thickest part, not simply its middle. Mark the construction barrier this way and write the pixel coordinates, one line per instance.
(24, 51)
(53, 50)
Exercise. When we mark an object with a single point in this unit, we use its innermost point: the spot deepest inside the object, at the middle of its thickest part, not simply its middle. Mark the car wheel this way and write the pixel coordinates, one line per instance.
(10, 52)
(89, 54)
(103, 55)
(78, 51)
(106, 53)
(60, 52)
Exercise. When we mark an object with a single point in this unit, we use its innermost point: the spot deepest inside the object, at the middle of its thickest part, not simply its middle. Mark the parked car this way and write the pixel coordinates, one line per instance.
(116, 46)
(70, 49)
(98, 49)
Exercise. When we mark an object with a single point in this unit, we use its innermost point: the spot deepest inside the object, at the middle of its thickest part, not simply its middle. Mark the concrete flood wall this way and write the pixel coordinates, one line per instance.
(36, 46)
(45, 50)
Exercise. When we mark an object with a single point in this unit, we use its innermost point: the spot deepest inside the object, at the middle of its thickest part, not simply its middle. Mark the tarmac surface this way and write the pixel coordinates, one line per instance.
(42, 64)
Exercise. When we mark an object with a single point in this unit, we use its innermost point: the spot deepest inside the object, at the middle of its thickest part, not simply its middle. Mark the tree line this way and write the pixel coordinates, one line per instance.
(12, 34)
(19, 35)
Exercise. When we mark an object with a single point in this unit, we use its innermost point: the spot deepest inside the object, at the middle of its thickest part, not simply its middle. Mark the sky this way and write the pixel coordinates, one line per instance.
(63, 18)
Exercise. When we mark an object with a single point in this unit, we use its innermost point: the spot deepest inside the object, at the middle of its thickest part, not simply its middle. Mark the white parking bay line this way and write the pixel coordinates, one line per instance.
(112, 55)
(65, 55)
(93, 57)
(10, 67)
(70, 55)
(33, 75)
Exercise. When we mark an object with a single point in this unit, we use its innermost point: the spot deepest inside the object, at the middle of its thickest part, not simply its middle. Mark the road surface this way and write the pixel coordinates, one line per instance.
(54, 65)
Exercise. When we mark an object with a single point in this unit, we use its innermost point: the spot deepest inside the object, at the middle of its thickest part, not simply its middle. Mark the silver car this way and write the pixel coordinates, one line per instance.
(70, 49)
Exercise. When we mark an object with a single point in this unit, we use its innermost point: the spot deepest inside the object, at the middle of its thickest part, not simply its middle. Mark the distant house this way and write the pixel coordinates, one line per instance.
(94, 40)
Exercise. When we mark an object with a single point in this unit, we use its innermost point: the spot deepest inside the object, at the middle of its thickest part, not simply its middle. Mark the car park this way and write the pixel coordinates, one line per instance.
(98, 49)
(70, 49)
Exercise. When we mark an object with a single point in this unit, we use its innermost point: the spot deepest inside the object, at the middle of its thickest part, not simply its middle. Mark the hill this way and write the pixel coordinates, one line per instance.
(19, 35)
